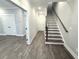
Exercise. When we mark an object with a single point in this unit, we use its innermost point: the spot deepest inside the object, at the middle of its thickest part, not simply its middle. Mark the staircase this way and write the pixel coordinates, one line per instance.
(52, 33)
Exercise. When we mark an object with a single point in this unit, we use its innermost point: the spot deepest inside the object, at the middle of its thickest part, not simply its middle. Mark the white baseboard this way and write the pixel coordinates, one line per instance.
(20, 34)
(70, 50)
(3, 34)
(28, 42)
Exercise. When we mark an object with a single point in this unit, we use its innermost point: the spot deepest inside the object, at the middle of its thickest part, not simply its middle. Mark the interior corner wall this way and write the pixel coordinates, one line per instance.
(36, 23)
(32, 26)
(41, 19)
(20, 22)
(67, 12)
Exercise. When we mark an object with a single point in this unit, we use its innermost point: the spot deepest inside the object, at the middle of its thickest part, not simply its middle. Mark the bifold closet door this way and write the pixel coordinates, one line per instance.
(9, 24)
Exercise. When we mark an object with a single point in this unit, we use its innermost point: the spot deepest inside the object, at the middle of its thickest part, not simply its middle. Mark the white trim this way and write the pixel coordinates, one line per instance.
(20, 34)
(12, 34)
(28, 42)
(3, 34)
(70, 50)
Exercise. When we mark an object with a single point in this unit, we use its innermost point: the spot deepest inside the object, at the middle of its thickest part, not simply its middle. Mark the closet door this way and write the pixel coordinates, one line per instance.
(9, 24)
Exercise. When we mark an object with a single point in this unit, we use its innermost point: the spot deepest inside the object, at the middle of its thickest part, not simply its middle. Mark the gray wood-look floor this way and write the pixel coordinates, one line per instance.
(16, 48)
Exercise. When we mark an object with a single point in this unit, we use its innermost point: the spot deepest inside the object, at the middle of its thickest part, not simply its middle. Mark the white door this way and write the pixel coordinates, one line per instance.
(9, 24)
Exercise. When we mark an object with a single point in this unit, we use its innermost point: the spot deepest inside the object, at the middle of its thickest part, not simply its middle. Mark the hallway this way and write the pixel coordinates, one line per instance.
(29, 29)
(16, 48)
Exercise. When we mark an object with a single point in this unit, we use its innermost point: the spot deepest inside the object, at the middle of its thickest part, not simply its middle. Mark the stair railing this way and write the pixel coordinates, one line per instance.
(61, 22)
(46, 30)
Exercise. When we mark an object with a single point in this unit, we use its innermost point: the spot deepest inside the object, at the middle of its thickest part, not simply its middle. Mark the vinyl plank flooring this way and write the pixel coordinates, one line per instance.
(16, 48)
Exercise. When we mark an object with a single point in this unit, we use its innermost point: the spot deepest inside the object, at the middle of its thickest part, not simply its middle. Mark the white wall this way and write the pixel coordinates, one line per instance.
(68, 14)
(32, 26)
(30, 22)
(41, 18)
(41, 22)
(35, 22)
(4, 11)
(18, 20)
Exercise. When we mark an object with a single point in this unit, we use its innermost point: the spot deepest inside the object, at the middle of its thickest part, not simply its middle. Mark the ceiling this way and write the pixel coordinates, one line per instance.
(38, 3)
(42, 3)
(33, 3)
(6, 4)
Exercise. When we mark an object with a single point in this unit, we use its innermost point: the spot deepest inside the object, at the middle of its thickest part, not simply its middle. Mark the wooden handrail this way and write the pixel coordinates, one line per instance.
(63, 25)
(46, 30)
(61, 22)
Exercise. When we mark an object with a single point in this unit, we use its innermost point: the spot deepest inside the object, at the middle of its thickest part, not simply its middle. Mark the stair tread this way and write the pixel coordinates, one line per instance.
(54, 33)
(52, 24)
(55, 41)
(54, 37)
(53, 28)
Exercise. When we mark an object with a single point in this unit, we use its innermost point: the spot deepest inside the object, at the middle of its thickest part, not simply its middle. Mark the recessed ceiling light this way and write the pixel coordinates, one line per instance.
(61, 2)
(39, 8)
(2, 11)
